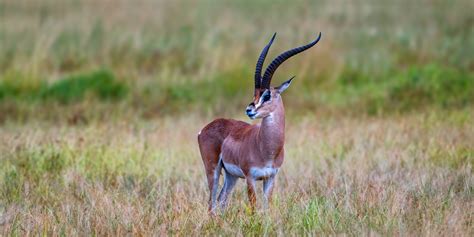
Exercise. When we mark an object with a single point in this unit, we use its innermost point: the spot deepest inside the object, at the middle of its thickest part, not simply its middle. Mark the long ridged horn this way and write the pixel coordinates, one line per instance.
(267, 77)
(261, 59)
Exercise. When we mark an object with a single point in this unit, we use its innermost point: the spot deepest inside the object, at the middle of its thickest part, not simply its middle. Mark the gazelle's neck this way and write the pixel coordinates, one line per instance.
(272, 132)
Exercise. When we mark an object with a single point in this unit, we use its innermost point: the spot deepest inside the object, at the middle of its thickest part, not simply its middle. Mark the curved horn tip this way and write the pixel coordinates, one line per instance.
(274, 35)
(272, 39)
(319, 37)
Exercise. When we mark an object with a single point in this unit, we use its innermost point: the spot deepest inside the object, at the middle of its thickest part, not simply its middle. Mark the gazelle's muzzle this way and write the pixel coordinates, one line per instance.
(250, 111)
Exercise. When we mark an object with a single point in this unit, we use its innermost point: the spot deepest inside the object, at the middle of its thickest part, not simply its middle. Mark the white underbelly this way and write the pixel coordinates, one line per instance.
(255, 172)
(263, 172)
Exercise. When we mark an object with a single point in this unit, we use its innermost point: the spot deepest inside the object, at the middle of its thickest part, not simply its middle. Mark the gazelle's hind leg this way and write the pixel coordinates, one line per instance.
(215, 186)
(210, 158)
(229, 184)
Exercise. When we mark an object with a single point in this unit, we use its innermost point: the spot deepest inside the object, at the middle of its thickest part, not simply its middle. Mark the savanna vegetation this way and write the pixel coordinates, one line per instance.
(101, 101)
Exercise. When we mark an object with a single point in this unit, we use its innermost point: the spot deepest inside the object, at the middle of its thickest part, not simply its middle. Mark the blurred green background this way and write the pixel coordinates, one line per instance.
(147, 59)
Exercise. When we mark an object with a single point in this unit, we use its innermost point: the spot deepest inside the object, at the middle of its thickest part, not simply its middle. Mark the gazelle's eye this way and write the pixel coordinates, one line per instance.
(266, 97)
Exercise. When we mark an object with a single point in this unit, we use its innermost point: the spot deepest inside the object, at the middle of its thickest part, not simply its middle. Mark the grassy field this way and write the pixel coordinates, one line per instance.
(101, 102)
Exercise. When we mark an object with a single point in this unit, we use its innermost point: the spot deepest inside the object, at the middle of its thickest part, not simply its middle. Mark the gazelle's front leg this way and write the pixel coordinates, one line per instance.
(268, 185)
(229, 184)
(251, 192)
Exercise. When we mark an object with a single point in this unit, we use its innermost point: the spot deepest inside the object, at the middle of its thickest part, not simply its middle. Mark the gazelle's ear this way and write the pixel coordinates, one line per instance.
(284, 85)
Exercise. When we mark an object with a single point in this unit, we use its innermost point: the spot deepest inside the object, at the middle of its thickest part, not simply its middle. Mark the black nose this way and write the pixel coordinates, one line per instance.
(250, 113)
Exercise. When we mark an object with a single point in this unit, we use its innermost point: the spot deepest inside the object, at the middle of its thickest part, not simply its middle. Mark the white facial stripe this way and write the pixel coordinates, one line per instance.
(260, 100)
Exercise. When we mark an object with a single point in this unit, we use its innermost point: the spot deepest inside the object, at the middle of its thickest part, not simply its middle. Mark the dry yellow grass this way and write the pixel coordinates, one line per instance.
(403, 175)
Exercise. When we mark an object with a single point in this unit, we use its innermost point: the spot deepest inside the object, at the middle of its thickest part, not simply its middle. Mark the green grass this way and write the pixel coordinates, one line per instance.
(418, 87)
(100, 84)
(428, 87)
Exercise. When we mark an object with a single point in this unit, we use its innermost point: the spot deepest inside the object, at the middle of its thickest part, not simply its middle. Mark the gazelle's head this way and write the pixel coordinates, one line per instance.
(266, 99)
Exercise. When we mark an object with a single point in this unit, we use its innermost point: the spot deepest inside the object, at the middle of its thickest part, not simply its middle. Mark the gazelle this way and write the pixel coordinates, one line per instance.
(251, 152)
